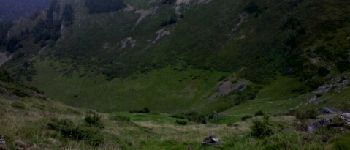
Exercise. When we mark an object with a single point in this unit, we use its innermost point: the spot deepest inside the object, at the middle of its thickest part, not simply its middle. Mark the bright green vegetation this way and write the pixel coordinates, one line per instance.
(169, 89)
(277, 97)
(152, 117)
(338, 100)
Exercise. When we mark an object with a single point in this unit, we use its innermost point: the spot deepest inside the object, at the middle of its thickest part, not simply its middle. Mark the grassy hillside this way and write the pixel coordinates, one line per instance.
(170, 56)
(168, 89)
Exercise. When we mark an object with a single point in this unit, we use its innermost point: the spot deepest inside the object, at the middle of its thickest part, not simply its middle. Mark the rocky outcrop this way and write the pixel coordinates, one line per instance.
(210, 141)
(346, 118)
(128, 8)
(144, 13)
(160, 34)
(128, 42)
(229, 86)
(242, 18)
(335, 84)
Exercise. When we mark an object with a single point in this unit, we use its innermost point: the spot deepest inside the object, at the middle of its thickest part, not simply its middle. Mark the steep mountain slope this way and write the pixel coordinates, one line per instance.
(257, 74)
(176, 55)
(14, 9)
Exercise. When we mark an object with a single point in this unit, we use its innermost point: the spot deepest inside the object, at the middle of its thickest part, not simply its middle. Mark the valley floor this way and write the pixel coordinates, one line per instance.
(30, 123)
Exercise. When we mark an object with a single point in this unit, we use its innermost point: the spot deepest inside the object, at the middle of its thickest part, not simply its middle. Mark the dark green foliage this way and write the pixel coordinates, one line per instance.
(343, 65)
(261, 129)
(19, 93)
(342, 143)
(93, 136)
(259, 113)
(144, 110)
(194, 116)
(246, 117)
(68, 129)
(65, 126)
(181, 122)
(103, 6)
(307, 113)
(94, 120)
(5, 76)
(251, 7)
(323, 71)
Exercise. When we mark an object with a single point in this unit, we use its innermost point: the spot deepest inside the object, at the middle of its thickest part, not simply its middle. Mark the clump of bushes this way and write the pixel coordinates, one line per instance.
(181, 122)
(246, 117)
(68, 129)
(251, 8)
(144, 110)
(196, 117)
(94, 120)
(261, 128)
(308, 113)
(259, 113)
(19, 93)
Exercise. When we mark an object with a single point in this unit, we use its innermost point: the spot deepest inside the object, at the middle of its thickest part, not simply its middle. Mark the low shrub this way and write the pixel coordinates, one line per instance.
(144, 110)
(259, 113)
(181, 122)
(67, 129)
(94, 120)
(309, 113)
(246, 117)
(19, 93)
(261, 128)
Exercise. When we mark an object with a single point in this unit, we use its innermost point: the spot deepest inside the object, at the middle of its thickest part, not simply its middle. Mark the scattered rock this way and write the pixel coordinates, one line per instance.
(2, 140)
(346, 118)
(2, 143)
(210, 141)
(314, 126)
(128, 8)
(242, 18)
(327, 110)
(160, 34)
(128, 42)
(144, 13)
